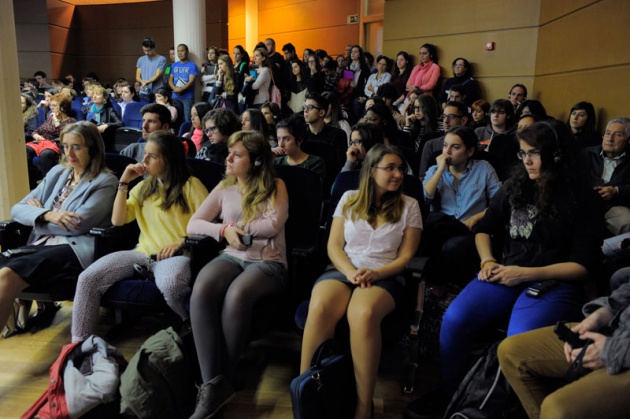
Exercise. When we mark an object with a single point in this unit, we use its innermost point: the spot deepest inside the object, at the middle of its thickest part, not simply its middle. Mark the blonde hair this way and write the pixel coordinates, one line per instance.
(261, 184)
(362, 205)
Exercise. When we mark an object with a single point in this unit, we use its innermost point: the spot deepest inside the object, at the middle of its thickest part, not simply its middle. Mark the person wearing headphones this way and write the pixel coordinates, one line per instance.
(545, 216)
(517, 95)
(248, 210)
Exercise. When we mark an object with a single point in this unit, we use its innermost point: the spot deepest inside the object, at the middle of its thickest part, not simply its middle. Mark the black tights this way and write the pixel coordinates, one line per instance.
(221, 308)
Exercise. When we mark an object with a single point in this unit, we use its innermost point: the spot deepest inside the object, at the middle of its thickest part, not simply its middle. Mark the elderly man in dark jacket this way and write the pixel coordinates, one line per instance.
(610, 174)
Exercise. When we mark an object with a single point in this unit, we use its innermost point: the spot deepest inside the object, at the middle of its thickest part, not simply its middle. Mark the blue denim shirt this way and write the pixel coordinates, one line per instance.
(476, 186)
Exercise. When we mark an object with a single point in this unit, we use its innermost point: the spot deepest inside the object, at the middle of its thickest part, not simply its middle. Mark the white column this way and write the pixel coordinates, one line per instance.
(13, 173)
(189, 27)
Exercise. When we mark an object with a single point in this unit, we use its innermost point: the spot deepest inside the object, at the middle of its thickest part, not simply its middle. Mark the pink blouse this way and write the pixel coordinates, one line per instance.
(425, 77)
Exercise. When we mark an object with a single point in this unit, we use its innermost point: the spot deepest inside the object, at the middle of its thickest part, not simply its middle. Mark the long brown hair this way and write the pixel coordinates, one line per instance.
(177, 172)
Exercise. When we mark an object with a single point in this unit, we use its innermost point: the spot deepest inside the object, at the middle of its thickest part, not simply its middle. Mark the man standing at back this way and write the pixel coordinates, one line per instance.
(182, 80)
(149, 69)
(276, 60)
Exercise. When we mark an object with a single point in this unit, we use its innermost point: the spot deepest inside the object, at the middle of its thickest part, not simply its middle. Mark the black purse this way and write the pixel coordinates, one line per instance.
(328, 388)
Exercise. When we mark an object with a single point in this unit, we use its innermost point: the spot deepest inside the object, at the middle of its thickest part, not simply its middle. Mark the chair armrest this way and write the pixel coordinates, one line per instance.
(417, 265)
(202, 250)
(13, 234)
(112, 239)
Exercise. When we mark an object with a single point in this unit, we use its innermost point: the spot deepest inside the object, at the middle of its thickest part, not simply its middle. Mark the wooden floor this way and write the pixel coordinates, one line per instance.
(271, 363)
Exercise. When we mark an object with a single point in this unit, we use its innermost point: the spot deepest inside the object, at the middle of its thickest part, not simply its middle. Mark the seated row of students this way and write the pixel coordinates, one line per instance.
(547, 190)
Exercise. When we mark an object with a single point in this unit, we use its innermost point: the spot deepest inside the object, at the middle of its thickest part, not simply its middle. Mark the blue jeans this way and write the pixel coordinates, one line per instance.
(187, 103)
(482, 305)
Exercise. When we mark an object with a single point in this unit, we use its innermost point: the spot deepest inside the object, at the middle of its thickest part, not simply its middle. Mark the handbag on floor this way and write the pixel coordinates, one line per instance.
(327, 389)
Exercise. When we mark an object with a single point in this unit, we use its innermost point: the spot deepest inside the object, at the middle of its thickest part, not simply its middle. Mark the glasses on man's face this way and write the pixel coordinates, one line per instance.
(498, 111)
(391, 169)
(210, 130)
(309, 107)
(450, 116)
(532, 154)
(356, 142)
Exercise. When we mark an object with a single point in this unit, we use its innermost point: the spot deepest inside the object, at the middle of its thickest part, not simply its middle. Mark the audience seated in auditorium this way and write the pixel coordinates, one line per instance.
(127, 94)
(362, 138)
(517, 95)
(610, 174)
(219, 125)
(196, 133)
(253, 119)
(161, 204)
(103, 115)
(457, 190)
(44, 144)
(74, 197)
(290, 133)
(42, 82)
(455, 114)
(462, 76)
(365, 283)
(29, 114)
(315, 109)
(548, 216)
(163, 97)
(154, 117)
(249, 201)
(480, 113)
(422, 123)
(583, 123)
(497, 138)
(336, 116)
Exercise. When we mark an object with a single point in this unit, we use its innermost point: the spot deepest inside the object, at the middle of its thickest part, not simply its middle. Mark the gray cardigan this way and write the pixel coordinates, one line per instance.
(92, 199)
(616, 355)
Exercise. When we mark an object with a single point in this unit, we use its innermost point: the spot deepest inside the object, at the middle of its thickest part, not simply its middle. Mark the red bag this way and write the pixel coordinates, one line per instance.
(53, 403)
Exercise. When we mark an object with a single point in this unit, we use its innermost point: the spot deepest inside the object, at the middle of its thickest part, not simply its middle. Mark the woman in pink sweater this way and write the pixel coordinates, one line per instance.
(248, 210)
(426, 74)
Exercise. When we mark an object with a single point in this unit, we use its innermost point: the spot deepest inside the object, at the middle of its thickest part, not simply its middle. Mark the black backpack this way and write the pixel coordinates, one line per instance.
(485, 393)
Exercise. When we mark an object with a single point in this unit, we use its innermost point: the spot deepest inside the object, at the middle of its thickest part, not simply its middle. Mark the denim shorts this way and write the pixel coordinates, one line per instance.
(394, 285)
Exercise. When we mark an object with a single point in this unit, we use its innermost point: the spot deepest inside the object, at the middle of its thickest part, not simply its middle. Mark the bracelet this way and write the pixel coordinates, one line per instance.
(487, 260)
(123, 188)
(223, 228)
(123, 183)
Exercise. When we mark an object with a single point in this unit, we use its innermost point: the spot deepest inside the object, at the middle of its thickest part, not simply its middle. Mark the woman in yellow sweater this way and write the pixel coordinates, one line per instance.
(162, 204)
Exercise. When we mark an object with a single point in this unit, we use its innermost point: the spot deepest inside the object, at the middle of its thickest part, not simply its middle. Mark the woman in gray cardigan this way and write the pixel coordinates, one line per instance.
(74, 197)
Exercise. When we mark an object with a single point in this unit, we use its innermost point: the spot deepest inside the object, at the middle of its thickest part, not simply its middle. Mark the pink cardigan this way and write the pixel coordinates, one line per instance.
(425, 77)
(224, 204)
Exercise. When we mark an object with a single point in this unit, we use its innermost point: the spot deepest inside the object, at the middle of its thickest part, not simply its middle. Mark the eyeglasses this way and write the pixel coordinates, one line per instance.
(310, 107)
(532, 154)
(418, 108)
(210, 130)
(392, 169)
(356, 142)
(458, 65)
(450, 116)
(498, 111)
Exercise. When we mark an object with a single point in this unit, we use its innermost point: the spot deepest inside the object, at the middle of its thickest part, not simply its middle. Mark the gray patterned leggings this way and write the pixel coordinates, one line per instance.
(172, 277)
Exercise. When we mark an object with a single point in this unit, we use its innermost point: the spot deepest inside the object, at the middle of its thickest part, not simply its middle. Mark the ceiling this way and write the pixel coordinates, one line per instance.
(95, 2)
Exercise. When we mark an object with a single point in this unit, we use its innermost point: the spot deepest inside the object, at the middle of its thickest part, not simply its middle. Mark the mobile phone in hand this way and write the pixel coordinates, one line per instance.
(567, 335)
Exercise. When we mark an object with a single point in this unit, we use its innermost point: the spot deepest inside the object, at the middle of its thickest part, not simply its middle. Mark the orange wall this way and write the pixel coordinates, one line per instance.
(304, 23)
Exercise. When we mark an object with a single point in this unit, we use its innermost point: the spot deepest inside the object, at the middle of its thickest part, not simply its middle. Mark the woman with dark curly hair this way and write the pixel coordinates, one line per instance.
(547, 216)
